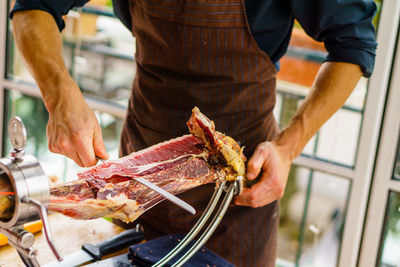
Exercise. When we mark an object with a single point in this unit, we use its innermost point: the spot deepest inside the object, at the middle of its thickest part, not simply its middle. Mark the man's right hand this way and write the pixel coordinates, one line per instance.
(73, 130)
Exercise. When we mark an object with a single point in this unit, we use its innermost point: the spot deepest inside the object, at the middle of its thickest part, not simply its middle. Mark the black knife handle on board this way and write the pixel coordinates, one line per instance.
(115, 243)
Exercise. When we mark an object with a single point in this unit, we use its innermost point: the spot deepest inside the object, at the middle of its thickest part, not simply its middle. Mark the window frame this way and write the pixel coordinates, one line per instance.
(383, 177)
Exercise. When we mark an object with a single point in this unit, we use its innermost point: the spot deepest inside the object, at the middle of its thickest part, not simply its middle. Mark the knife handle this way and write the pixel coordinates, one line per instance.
(115, 243)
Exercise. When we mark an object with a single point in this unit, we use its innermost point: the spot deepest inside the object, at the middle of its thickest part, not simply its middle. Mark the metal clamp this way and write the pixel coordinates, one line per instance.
(22, 241)
(238, 186)
(232, 189)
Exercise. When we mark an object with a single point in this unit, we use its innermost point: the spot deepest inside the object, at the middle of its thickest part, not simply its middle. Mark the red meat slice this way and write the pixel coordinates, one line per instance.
(147, 161)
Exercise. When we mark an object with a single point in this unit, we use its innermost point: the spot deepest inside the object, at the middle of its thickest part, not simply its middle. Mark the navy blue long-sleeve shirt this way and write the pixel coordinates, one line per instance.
(344, 26)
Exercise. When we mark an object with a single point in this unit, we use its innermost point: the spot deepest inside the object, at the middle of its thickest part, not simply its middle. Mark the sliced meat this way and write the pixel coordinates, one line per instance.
(176, 166)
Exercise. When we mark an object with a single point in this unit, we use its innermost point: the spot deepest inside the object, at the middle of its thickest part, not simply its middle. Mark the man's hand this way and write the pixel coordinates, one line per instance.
(274, 163)
(73, 131)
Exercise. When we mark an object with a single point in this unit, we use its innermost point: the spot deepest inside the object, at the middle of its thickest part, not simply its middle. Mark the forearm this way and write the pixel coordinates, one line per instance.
(40, 44)
(72, 129)
(333, 85)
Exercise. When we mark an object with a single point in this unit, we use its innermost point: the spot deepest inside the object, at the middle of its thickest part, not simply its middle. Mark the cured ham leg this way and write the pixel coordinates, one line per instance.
(176, 166)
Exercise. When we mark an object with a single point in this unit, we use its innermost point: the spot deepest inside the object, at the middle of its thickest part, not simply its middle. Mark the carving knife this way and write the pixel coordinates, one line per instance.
(90, 252)
(177, 201)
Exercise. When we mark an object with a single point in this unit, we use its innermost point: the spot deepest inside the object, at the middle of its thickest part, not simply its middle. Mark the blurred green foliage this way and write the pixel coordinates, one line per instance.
(34, 115)
(394, 213)
(378, 13)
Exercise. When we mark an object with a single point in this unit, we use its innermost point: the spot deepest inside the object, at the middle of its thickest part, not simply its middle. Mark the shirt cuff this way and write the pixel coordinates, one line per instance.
(365, 59)
(35, 5)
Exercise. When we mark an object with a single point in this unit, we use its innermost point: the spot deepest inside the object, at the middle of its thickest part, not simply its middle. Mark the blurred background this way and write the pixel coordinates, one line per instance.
(342, 202)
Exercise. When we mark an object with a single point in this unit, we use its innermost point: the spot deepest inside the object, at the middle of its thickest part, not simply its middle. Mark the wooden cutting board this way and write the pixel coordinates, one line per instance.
(68, 235)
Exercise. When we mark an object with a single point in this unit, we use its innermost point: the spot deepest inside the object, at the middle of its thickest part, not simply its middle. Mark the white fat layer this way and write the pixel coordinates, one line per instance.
(127, 214)
(118, 206)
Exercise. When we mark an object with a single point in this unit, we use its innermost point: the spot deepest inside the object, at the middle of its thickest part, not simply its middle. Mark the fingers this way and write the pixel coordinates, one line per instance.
(256, 162)
(267, 190)
(272, 183)
(63, 149)
(73, 130)
(98, 144)
(84, 148)
(78, 145)
(256, 196)
(78, 148)
(75, 157)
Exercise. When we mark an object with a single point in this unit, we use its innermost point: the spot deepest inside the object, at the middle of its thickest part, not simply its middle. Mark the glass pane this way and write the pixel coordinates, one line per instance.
(15, 68)
(312, 215)
(98, 51)
(54, 164)
(390, 256)
(338, 138)
(396, 173)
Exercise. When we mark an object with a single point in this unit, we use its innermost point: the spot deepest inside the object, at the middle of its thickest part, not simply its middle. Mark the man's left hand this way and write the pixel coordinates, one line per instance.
(274, 162)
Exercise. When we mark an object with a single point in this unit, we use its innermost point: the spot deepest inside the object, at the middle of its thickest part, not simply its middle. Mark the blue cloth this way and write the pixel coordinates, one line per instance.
(148, 253)
(344, 26)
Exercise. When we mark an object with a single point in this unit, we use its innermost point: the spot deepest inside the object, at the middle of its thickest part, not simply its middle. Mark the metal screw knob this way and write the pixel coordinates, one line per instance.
(17, 133)
(32, 253)
(26, 239)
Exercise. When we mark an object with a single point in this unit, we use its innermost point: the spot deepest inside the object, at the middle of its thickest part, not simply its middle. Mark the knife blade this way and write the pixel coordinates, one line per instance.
(177, 201)
(90, 252)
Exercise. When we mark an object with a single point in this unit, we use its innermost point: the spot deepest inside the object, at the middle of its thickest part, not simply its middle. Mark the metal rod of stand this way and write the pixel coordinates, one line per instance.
(196, 228)
(211, 227)
(28, 261)
(46, 227)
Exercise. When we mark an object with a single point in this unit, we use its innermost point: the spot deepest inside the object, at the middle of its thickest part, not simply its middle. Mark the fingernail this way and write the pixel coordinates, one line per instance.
(250, 176)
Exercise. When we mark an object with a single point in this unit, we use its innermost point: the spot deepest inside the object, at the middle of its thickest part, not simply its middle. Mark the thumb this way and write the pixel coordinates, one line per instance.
(255, 163)
(98, 144)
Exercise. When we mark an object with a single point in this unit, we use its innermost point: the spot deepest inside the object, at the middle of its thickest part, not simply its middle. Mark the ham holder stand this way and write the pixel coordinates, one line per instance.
(29, 196)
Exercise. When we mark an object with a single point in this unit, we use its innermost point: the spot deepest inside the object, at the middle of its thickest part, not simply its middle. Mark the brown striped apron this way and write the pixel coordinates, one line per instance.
(202, 53)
